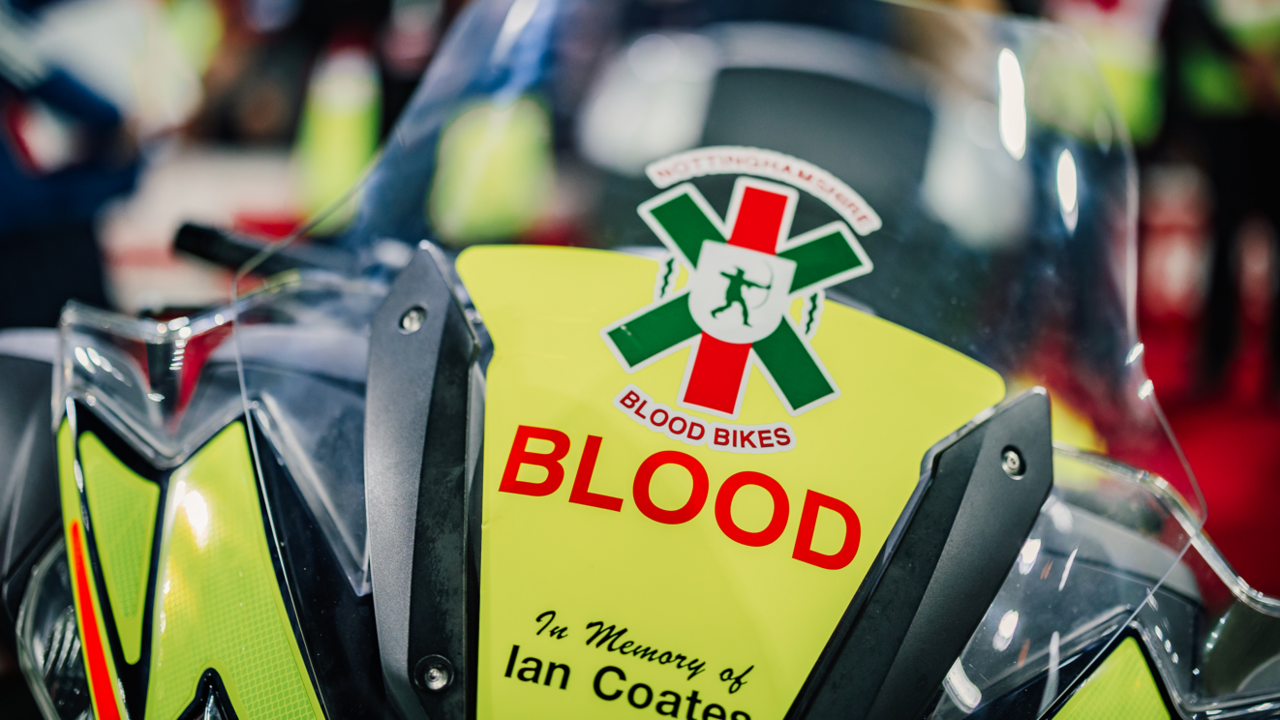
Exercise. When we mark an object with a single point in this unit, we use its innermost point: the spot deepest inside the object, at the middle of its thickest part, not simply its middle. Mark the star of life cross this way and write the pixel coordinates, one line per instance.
(752, 242)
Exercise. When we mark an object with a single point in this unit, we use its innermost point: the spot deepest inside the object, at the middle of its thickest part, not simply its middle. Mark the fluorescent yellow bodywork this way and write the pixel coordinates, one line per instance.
(684, 588)
(123, 507)
(218, 603)
(72, 518)
(1120, 689)
(217, 600)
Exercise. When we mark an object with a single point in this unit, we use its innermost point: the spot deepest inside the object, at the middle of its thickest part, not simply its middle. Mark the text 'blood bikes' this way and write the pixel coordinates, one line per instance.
(580, 493)
(747, 439)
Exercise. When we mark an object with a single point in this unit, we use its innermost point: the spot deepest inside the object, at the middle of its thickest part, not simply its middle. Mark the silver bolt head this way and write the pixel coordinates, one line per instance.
(1012, 463)
(435, 673)
(412, 319)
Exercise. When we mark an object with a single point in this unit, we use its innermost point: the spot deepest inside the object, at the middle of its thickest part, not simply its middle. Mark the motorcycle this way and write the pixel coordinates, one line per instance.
(701, 359)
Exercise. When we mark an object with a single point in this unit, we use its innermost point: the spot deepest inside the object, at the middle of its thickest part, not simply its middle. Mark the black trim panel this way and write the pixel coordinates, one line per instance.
(904, 629)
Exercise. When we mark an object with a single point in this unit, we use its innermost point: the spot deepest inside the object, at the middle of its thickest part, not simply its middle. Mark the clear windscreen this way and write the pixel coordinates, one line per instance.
(1104, 557)
(1001, 185)
(299, 343)
(1116, 550)
(1004, 201)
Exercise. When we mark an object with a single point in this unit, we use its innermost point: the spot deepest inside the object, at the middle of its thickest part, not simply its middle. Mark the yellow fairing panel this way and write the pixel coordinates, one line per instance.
(629, 564)
(123, 507)
(104, 690)
(218, 603)
(1122, 688)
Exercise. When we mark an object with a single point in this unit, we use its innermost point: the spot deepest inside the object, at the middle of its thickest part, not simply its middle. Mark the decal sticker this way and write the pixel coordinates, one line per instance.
(744, 273)
(774, 437)
(214, 602)
(736, 160)
(666, 531)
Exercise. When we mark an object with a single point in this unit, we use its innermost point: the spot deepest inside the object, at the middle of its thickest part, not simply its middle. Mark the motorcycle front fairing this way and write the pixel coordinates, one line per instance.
(343, 520)
(1097, 527)
(150, 423)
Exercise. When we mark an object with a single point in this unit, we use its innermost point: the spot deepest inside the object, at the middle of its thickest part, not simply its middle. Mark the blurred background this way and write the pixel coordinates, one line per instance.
(122, 119)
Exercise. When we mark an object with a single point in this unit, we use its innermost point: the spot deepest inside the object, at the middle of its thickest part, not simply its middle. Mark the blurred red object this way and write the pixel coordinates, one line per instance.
(1231, 436)
(267, 226)
(1173, 275)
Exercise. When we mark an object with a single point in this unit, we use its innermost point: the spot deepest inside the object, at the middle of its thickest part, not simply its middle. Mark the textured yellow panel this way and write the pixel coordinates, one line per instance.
(219, 605)
(1120, 689)
(122, 510)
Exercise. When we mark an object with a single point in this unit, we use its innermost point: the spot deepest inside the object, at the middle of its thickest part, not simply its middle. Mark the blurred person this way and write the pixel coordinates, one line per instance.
(64, 153)
(1196, 80)
(309, 76)
(84, 86)
(256, 82)
(339, 131)
(1207, 284)
(255, 78)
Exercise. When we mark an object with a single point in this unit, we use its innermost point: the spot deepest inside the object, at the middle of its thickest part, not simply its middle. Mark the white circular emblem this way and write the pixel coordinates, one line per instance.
(739, 295)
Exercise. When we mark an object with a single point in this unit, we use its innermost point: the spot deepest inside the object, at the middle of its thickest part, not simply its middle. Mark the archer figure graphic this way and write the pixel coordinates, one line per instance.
(733, 294)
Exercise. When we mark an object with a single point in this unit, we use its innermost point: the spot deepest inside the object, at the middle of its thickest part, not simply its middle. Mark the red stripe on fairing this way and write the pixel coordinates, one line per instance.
(759, 220)
(104, 697)
(716, 376)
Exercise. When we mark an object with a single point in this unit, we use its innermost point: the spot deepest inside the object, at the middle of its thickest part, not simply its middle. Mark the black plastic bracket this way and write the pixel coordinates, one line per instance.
(902, 633)
(417, 490)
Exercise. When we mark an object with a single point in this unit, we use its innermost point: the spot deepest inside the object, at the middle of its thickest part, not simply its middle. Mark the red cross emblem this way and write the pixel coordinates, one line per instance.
(744, 273)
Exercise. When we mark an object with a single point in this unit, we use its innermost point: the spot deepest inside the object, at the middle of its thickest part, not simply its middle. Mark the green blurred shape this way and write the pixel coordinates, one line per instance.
(197, 29)
(495, 173)
(1212, 84)
(338, 137)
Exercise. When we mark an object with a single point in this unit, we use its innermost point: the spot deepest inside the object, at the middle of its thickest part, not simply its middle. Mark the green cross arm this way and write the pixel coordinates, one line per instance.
(679, 217)
(655, 331)
(795, 369)
(823, 261)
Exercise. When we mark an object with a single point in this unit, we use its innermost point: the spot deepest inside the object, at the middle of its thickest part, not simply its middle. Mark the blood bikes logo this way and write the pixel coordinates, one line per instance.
(745, 270)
